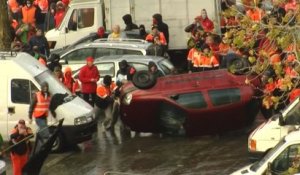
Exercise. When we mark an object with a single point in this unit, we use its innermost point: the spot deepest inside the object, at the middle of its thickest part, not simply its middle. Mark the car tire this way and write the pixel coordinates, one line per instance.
(143, 80)
(238, 66)
(59, 144)
(171, 120)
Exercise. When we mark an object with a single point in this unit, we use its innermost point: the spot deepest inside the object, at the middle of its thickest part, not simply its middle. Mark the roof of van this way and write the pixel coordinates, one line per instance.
(84, 1)
(293, 136)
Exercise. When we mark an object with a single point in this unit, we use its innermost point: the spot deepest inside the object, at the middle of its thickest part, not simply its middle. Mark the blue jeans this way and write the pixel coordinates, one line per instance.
(43, 129)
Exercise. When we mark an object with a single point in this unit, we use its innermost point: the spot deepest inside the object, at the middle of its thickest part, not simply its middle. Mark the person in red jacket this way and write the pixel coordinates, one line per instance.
(89, 75)
(205, 22)
(60, 13)
(70, 82)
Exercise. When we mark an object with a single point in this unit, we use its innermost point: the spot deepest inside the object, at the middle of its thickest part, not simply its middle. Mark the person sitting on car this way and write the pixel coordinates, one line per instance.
(106, 100)
(54, 62)
(125, 73)
(159, 46)
(152, 68)
(116, 34)
(128, 22)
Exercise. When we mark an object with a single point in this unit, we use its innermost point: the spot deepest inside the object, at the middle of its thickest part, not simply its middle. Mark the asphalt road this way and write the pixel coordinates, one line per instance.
(143, 154)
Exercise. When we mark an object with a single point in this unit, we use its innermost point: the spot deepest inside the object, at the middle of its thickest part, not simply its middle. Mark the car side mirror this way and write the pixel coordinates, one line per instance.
(281, 120)
(66, 30)
(174, 97)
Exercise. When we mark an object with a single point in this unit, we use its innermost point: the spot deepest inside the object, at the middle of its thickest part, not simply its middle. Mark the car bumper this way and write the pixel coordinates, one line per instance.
(255, 156)
(79, 133)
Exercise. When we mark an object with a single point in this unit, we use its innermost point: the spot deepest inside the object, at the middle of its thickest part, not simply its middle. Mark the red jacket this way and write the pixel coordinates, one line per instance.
(86, 75)
(59, 16)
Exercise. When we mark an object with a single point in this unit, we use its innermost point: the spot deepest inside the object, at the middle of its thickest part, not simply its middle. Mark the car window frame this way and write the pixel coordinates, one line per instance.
(78, 50)
(32, 89)
(216, 101)
(176, 96)
(114, 70)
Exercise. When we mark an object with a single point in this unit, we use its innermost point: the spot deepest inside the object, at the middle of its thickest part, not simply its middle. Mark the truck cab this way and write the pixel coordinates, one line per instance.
(268, 134)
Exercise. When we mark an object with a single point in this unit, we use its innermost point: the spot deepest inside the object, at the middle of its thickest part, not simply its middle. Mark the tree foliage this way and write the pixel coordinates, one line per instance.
(5, 39)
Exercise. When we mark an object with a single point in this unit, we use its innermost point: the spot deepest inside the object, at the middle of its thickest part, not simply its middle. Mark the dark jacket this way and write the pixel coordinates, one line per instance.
(161, 26)
(39, 16)
(129, 24)
(85, 75)
(42, 44)
(23, 147)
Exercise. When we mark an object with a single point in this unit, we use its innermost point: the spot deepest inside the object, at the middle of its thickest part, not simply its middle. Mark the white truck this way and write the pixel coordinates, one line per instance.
(284, 158)
(20, 76)
(268, 134)
(85, 16)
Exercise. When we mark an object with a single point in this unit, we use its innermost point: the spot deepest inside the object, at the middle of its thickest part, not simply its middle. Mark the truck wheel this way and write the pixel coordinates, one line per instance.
(171, 120)
(238, 66)
(143, 80)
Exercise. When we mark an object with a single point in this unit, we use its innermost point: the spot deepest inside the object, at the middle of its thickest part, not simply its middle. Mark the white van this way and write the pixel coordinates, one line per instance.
(284, 158)
(268, 134)
(20, 76)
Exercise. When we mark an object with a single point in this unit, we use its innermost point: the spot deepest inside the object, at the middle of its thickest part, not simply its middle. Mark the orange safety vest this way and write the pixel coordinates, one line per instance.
(207, 62)
(28, 15)
(193, 55)
(42, 105)
(103, 91)
(162, 38)
(43, 4)
(13, 5)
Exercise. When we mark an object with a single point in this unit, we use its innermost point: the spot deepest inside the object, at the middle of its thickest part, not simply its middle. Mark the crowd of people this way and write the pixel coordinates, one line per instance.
(261, 38)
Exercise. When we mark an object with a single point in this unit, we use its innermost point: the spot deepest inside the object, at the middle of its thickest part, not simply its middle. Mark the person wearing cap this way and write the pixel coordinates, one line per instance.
(39, 109)
(21, 147)
(107, 101)
(89, 75)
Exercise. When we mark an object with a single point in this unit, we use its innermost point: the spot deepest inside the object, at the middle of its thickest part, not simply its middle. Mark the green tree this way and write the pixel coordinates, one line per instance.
(5, 39)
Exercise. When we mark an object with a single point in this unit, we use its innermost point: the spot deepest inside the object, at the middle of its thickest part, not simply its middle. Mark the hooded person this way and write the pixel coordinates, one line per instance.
(125, 72)
(41, 42)
(69, 81)
(161, 26)
(153, 69)
(54, 62)
(129, 24)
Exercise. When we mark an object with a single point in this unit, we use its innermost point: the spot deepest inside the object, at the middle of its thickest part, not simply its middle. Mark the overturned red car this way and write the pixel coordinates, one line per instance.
(201, 103)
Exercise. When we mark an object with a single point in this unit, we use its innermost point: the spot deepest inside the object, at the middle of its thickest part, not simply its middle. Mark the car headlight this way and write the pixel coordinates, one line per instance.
(81, 120)
(127, 99)
(252, 145)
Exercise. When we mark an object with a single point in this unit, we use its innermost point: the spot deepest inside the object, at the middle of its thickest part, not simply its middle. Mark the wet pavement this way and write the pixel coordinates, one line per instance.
(143, 154)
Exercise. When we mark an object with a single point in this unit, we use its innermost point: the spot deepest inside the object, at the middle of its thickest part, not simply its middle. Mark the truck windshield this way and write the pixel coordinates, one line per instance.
(258, 164)
(55, 86)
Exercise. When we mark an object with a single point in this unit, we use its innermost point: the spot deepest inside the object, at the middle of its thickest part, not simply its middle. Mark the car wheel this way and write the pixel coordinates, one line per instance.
(238, 66)
(143, 80)
(171, 120)
(59, 143)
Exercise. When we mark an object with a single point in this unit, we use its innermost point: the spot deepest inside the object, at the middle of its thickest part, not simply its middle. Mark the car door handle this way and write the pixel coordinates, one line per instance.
(11, 110)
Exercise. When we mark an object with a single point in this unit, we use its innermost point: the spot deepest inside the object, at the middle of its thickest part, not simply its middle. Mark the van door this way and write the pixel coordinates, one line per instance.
(20, 96)
(81, 23)
(3, 108)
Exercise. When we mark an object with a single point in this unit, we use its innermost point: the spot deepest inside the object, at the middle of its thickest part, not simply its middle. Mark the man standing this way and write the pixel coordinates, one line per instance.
(89, 75)
(39, 109)
(106, 101)
(40, 41)
(20, 151)
(161, 26)
(128, 22)
(29, 13)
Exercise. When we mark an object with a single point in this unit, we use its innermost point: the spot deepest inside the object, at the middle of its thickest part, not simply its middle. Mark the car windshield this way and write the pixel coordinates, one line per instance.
(166, 66)
(258, 164)
(55, 86)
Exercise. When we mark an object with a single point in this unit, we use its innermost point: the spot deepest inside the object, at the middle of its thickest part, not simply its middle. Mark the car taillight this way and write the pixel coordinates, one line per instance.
(252, 145)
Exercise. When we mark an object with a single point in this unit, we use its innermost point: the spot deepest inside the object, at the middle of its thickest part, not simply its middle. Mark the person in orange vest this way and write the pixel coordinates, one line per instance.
(29, 13)
(106, 100)
(159, 40)
(21, 147)
(15, 9)
(39, 109)
(194, 54)
(255, 14)
(207, 60)
(70, 82)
